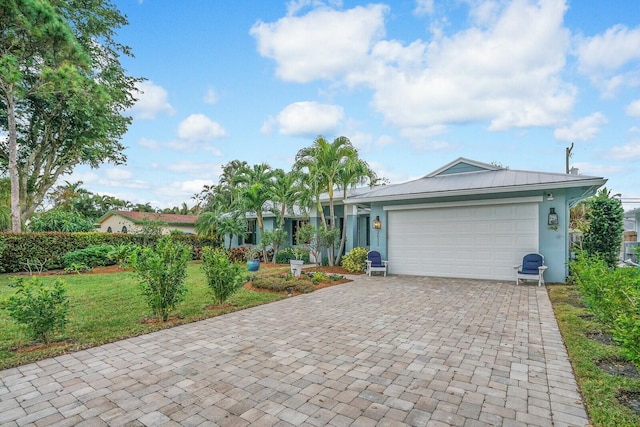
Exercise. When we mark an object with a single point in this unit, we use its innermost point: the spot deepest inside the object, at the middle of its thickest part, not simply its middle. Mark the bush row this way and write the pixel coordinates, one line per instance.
(613, 295)
(35, 251)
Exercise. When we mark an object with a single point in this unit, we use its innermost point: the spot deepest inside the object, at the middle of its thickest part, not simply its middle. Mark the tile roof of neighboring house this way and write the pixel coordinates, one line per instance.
(138, 217)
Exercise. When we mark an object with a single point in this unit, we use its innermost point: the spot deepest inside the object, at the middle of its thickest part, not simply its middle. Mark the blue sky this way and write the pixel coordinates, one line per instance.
(414, 84)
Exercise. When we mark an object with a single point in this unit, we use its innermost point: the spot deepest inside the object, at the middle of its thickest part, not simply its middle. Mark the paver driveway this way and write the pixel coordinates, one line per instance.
(380, 351)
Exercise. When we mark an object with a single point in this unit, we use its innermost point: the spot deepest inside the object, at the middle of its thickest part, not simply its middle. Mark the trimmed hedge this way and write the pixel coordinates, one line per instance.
(48, 248)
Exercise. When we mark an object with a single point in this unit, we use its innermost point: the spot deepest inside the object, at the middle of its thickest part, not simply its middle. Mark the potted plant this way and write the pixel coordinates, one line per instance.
(296, 264)
(253, 259)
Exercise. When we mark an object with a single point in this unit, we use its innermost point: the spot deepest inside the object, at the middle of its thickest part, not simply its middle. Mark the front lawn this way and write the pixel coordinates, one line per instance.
(109, 307)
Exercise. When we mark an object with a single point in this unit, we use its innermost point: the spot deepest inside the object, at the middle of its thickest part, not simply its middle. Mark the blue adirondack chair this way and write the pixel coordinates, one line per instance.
(376, 263)
(532, 268)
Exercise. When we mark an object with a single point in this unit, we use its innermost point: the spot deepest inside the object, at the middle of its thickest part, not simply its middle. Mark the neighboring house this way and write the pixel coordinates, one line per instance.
(133, 222)
(632, 220)
(467, 219)
(632, 230)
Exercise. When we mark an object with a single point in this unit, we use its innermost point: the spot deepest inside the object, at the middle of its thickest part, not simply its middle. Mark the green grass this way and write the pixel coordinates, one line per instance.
(598, 388)
(109, 307)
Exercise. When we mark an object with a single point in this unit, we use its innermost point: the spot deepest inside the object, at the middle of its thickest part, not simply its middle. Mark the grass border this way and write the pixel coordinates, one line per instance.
(598, 388)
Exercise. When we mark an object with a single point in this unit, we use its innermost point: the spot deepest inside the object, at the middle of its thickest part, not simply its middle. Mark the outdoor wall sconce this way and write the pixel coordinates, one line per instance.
(553, 217)
(377, 225)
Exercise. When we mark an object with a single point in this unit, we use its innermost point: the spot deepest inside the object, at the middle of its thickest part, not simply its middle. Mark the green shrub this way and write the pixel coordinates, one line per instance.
(40, 308)
(91, 256)
(604, 235)
(287, 254)
(60, 220)
(223, 277)
(162, 271)
(613, 295)
(279, 281)
(356, 260)
(122, 254)
(47, 249)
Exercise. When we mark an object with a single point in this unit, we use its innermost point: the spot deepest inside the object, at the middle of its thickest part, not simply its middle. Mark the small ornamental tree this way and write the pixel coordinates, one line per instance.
(41, 308)
(606, 225)
(162, 271)
(223, 277)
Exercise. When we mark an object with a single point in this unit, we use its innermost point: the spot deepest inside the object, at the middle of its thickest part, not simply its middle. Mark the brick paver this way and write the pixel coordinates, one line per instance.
(379, 351)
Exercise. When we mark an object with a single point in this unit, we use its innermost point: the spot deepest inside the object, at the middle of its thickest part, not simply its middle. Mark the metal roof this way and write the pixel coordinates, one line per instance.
(475, 182)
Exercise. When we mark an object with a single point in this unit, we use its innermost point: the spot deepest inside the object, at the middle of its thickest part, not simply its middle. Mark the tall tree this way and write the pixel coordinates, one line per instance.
(606, 225)
(62, 93)
(254, 185)
(323, 161)
(287, 191)
(355, 171)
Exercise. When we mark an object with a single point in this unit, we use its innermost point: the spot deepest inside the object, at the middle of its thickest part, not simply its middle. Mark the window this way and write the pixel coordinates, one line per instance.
(109, 230)
(295, 226)
(251, 236)
(124, 229)
(368, 231)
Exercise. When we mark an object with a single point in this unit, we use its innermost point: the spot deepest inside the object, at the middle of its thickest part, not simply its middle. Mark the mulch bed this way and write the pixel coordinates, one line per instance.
(618, 366)
(630, 399)
(600, 336)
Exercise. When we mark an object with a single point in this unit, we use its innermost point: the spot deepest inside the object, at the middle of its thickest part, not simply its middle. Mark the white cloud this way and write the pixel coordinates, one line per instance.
(118, 174)
(633, 109)
(423, 7)
(583, 129)
(591, 169)
(608, 58)
(211, 96)
(493, 71)
(198, 127)
(609, 51)
(152, 101)
(151, 144)
(309, 118)
(625, 152)
(323, 44)
(295, 6)
(501, 73)
(194, 168)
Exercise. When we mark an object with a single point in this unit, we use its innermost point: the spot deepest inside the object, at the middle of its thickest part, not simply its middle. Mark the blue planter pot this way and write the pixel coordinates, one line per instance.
(253, 265)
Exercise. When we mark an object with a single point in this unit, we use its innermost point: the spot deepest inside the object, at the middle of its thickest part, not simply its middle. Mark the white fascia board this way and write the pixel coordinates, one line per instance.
(461, 203)
(474, 191)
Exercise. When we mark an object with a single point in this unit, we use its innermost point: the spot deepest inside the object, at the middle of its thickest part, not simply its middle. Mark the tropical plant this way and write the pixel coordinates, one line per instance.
(92, 256)
(354, 172)
(274, 238)
(60, 220)
(41, 308)
(322, 162)
(254, 190)
(224, 278)
(606, 225)
(162, 271)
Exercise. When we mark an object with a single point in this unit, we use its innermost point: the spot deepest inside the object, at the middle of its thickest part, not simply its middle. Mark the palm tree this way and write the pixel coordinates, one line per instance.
(254, 186)
(355, 171)
(286, 190)
(323, 161)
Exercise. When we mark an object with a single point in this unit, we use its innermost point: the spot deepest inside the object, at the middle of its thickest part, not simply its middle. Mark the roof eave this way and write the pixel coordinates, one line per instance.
(598, 182)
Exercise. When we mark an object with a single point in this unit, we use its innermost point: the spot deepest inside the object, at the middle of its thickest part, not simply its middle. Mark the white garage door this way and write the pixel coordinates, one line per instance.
(482, 242)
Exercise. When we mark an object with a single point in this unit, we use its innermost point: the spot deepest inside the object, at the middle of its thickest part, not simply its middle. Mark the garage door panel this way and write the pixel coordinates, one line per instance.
(482, 242)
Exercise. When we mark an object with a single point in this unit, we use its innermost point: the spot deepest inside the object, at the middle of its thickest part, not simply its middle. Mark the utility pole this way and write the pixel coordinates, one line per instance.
(568, 155)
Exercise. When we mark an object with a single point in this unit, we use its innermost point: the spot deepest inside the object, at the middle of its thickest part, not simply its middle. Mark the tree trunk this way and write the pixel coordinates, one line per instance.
(343, 240)
(16, 224)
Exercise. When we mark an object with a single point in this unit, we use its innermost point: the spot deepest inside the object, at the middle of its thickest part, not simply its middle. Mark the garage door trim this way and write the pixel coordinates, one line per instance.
(533, 199)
